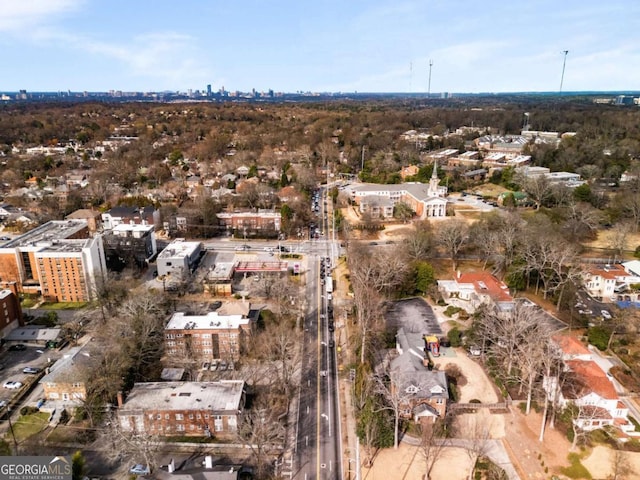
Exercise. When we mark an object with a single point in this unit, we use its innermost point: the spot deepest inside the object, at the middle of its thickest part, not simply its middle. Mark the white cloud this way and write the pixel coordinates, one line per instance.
(16, 15)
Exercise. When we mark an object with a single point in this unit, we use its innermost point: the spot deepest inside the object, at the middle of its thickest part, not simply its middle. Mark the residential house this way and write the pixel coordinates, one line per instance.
(377, 206)
(206, 337)
(423, 392)
(472, 289)
(92, 217)
(195, 409)
(587, 386)
(67, 378)
(609, 283)
(130, 215)
(409, 171)
(242, 171)
(289, 194)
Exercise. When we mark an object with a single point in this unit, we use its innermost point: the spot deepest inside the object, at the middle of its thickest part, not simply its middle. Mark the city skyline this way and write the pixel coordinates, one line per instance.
(325, 46)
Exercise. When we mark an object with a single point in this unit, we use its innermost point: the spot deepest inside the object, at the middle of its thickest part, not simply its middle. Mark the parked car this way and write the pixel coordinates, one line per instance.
(605, 314)
(474, 351)
(31, 370)
(12, 385)
(19, 347)
(585, 312)
(3, 403)
(139, 469)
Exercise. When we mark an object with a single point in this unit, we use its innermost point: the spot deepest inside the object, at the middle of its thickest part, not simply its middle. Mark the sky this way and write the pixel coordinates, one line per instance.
(320, 45)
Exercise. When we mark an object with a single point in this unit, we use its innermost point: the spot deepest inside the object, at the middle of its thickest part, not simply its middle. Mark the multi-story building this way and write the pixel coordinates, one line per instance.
(67, 378)
(472, 289)
(206, 337)
(426, 200)
(179, 258)
(57, 260)
(130, 215)
(10, 312)
(606, 282)
(251, 222)
(129, 244)
(92, 217)
(183, 408)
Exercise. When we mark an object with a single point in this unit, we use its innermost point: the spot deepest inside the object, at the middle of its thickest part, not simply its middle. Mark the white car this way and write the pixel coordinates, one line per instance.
(11, 385)
(605, 314)
(139, 470)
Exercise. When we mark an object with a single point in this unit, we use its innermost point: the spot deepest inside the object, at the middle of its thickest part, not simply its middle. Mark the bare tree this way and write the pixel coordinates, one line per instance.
(261, 431)
(127, 441)
(538, 188)
(453, 235)
(477, 431)
(620, 465)
(618, 238)
(419, 245)
(281, 345)
(432, 444)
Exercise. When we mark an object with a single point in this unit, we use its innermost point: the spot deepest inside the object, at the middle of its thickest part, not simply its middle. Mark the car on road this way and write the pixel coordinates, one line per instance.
(139, 469)
(31, 370)
(243, 248)
(331, 343)
(19, 347)
(12, 385)
(605, 314)
(4, 239)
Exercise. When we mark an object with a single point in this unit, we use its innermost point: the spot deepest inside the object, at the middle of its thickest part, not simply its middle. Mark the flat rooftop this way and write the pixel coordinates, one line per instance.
(65, 246)
(179, 248)
(52, 230)
(212, 320)
(123, 227)
(5, 293)
(222, 396)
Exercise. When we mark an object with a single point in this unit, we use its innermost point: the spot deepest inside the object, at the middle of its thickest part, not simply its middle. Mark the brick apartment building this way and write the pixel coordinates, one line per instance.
(10, 312)
(251, 222)
(57, 260)
(66, 381)
(206, 337)
(196, 409)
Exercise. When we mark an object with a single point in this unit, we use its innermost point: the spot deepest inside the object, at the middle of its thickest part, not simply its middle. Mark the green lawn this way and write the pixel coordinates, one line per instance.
(28, 302)
(64, 306)
(29, 425)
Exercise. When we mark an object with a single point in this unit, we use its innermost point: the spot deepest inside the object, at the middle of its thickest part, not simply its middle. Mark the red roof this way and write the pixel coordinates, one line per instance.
(610, 272)
(593, 379)
(488, 284)
(571, 345)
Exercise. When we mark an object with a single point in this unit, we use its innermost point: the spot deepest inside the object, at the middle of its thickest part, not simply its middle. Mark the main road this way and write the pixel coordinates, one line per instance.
(318, 442)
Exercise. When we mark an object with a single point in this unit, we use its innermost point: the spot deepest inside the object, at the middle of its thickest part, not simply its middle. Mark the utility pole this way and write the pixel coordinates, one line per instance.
(429, 86)
(13, 435)
(564, 63)
(362, 166)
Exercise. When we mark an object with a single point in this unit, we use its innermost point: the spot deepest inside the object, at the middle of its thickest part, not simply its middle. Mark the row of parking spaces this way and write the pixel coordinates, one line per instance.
(20, 365)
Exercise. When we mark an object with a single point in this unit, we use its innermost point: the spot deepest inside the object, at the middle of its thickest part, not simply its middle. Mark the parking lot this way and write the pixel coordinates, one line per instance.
(12, 364)
(414, 315)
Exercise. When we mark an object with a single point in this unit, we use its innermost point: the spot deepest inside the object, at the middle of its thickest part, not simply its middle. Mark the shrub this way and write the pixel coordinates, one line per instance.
(455, 337)
(599, 337)
(28, 410)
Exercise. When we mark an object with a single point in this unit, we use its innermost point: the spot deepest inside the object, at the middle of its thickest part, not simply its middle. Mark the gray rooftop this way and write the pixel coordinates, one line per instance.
(52, 230)
(222, 396)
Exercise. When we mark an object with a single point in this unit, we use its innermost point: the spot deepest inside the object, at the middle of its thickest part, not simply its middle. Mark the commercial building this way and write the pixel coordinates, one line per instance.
(57, 260)
(179, 259)
(251, 223)
(202, 409)
(206, 337)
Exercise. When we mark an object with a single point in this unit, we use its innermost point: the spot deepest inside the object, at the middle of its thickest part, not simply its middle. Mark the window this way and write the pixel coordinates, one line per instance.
(54, 395)
(179, 416)
(166, 416)
(206, 416)
(191, 416)
(217, 425)
(158, 416)
(180, 427)
(198, 416)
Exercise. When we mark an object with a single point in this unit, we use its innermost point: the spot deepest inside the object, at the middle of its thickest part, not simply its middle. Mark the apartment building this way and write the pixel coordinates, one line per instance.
(10, 312)
(67, 378)
(206, 337)
(199, 409)
(57, 260)
(128, 245)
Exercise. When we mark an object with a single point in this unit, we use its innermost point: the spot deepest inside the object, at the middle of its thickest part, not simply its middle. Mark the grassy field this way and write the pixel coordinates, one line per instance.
(29, 425)
(64, 306)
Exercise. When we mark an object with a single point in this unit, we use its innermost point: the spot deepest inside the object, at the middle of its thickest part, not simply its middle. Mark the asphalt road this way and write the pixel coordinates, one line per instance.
(318, 448)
